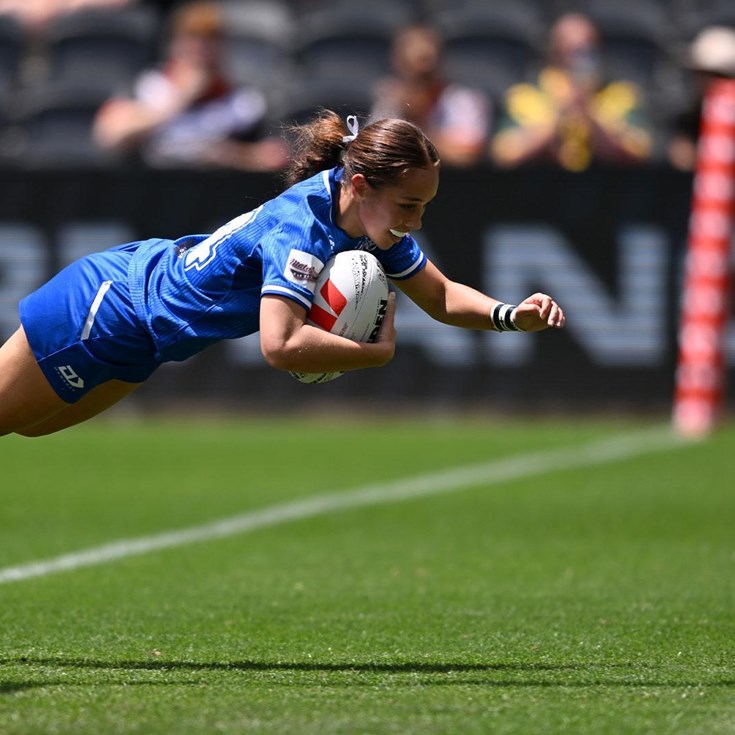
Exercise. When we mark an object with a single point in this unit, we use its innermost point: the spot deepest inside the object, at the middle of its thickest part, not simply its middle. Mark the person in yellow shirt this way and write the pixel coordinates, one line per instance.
(572, 116)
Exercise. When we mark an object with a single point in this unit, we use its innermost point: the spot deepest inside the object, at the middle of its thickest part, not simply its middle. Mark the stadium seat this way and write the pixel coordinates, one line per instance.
(632, 57)
(490, 47)
(647, 16)
(694, 15)
(258, 42)
(6, 133)
(55, 122)
(12, 46)
(350, 41)
(307, 95)
(102, 47)
(414, 9)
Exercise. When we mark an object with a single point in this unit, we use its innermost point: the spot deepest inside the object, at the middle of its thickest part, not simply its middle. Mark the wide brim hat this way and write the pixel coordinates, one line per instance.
(713, 50)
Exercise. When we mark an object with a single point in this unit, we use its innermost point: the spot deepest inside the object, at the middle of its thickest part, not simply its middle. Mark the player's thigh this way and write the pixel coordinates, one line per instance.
(95, 402)
(25, 395)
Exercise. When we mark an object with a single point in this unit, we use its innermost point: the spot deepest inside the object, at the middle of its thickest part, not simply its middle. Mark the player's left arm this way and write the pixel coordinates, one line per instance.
(289, 343)
(462, 306)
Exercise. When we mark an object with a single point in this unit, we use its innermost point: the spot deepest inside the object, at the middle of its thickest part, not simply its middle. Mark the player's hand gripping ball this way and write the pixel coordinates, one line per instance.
(350, 300)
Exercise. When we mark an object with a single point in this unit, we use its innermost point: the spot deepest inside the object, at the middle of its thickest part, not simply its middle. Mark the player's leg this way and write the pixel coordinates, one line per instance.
(81, 348)
(25, 395)
(30, 406)
(96, 401)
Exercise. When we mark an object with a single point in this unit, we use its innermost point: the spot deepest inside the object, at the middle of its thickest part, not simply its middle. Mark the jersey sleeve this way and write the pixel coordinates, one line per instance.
(292, 262)
(403, 260)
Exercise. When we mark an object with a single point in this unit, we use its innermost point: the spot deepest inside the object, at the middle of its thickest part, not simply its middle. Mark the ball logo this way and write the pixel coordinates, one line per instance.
(382, 308)
(336, 302)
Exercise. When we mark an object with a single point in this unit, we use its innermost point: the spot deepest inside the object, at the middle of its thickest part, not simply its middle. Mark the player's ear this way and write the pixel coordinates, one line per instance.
(359, 185)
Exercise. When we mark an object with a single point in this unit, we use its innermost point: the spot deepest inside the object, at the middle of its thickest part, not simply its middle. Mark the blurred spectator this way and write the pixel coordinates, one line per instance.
(35, 14)
(573, 115)
(187, 112)
(456, 118)
(710, 55)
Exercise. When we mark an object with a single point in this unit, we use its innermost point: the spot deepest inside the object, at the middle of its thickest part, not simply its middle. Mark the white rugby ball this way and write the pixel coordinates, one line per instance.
(350, 299)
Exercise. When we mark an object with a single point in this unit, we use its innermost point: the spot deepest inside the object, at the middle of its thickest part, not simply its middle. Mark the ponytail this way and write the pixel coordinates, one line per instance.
(382, 152)
(316, 146)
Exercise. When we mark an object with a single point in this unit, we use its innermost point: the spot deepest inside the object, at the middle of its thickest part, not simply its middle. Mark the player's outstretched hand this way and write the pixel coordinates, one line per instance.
(538, 312)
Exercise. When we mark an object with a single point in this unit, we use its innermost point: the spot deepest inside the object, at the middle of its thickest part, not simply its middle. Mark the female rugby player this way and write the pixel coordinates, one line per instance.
(100, 327)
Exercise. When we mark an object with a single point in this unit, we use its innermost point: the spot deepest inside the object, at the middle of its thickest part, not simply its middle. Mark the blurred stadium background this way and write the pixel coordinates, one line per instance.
(608, 242)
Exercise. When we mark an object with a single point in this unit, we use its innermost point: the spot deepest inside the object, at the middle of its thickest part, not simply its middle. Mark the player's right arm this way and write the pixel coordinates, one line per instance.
(289, 343)
(460, 305)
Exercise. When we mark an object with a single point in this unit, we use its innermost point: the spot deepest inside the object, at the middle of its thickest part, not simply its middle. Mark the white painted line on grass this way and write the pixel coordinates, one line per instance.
(613, 449)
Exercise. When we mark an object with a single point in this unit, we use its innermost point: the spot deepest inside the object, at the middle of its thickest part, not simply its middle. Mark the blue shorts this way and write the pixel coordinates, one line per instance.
(83, 329)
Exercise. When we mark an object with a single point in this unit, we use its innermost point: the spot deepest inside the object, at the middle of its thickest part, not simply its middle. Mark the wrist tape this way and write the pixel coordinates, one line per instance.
(502, 318)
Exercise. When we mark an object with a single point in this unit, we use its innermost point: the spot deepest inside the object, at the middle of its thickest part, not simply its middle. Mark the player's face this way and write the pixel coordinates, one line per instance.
(388, 213)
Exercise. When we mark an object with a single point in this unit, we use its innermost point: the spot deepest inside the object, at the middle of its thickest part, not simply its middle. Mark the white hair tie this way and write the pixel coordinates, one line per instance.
(354, 127)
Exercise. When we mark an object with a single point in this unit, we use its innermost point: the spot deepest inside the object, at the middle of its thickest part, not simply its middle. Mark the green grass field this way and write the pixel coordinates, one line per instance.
(593, 594)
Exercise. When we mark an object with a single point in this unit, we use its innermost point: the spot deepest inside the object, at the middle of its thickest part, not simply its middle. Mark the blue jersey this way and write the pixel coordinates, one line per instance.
(118, 314)
(204, 288)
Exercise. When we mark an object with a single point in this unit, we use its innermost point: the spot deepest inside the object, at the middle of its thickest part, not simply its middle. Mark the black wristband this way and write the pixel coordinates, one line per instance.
(502, 318)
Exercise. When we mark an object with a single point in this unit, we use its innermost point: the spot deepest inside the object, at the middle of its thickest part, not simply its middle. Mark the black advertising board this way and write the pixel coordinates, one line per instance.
(607, 244)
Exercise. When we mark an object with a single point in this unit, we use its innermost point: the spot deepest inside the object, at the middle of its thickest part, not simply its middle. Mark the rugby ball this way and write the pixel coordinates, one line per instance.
(350, 299)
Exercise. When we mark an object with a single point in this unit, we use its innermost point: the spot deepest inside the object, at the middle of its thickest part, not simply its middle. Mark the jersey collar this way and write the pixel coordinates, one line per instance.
(342, 241)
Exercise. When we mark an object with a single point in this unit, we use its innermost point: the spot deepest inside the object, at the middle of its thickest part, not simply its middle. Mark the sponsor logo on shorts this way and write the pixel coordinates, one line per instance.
(303, 268)
(70, 377)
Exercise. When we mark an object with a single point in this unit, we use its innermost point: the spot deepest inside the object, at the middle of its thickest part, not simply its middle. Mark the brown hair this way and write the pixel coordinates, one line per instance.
(197, 19)
(382, 151)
